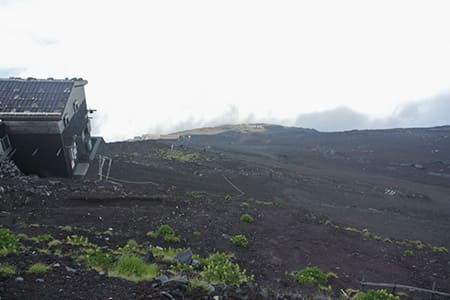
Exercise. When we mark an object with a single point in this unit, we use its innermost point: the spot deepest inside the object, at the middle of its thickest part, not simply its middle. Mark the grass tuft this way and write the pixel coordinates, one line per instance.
(313, 276)
(166, 232)
(181, 156)
(39, 268)
(219, 268)
(239, 240)
(246, 218)
(439, 249)
(9, 243)
(66, 228)
(244, 205)
(134, 268)
(375, 295)
(7, 271)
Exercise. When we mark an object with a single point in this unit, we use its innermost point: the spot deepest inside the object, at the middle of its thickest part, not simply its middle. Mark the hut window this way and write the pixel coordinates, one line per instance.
(76, 106)
(66, 120)
(5, 143)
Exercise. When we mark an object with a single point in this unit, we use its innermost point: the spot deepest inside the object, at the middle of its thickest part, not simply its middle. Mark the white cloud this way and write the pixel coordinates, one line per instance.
(155, 64)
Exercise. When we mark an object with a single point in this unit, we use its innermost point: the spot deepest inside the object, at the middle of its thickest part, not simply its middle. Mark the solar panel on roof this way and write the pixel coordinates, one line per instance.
(34, 96)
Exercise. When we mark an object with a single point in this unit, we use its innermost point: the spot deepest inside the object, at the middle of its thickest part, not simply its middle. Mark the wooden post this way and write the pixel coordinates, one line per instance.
(433, 288)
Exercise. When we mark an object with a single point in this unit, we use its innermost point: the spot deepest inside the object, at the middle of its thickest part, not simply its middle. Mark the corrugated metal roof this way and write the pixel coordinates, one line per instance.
(33, 97)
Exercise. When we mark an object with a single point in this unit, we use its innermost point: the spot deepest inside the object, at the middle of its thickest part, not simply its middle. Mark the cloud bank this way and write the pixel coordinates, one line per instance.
(434, 111)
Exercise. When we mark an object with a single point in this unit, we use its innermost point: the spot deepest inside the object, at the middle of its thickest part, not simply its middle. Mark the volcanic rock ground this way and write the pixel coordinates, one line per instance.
(350, 203)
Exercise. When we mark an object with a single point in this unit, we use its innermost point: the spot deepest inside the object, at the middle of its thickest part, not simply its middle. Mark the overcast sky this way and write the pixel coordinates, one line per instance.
(161, 66)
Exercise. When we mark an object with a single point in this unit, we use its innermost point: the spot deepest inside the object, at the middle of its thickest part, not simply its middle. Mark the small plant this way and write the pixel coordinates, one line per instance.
(39, 268)
(66, 228)
(166, 232)
(219, 268)
(134, 268)
(196, 233)
(313, 276)
(54, 243)
(22, 236)
(107, 232)
(132, 248)
(439, 249)
(408, 253)
(239, 240)
(42, 238)
(166, 255)
(195, 283)
(246, 218)
(180, 156)
(97, 259)
(77, 240)
(7, 271)
(34, 225)
(375, 295)
(265, 203)
(419, 245)
(387, 240)
(9, 243)
(244, 205)
(352, 229)
(192, 194)
(376, 237)
(279, 204)
(227, 197)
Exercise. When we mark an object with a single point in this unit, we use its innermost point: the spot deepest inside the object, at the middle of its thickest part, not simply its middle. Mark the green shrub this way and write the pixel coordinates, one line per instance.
(265, 203)
(246, 218)
(244, 205)
(195, 283)
(313, 276)
(7, 271)
(39, 268)
(439, 249)
(107, 232)
(239, 240)
(22, 236)
(132, 248)
(42, 238)
(166, 232)
(197, 233)
(181, 156)
(134, 268)
(352, 229)
(66, 228)
(375, 295)
(9, 243)
(408, 253)
(54, 243)
(219, 268)
(376, 237)
(193, 194)
(97, 259)
(419, 245)
(77, 240)
(157, 251)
